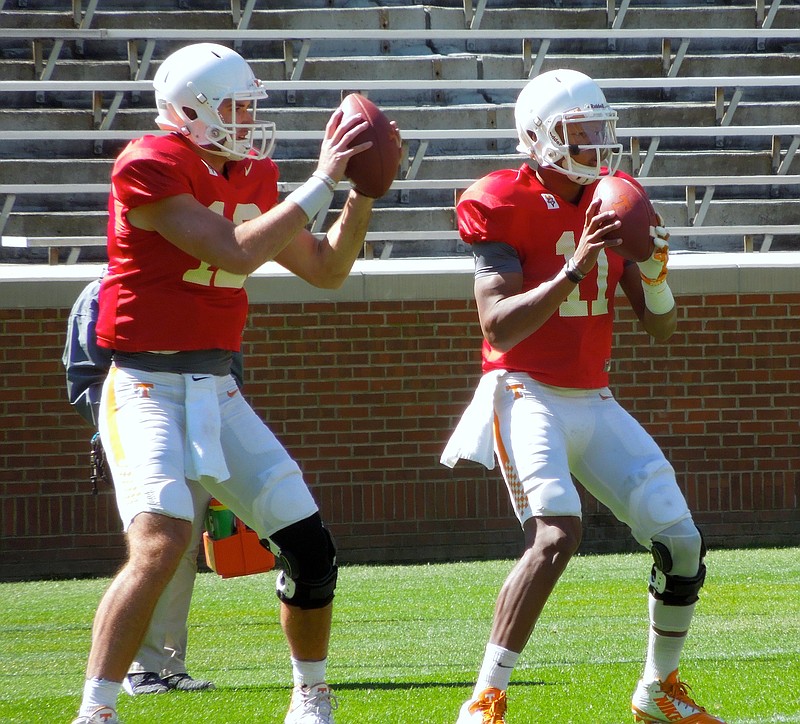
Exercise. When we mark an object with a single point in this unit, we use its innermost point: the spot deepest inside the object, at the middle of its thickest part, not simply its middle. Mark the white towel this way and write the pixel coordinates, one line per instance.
(203, 456)
(473, 438)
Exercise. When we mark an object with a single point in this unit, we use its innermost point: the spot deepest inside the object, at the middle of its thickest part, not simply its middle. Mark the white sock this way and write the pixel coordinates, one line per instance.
(308, 673)
(498, 665)
(664, 652)
(97, 693)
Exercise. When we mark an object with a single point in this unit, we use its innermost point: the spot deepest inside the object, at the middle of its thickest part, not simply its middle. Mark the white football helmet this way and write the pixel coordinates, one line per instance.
(191, 84)
(562, 114)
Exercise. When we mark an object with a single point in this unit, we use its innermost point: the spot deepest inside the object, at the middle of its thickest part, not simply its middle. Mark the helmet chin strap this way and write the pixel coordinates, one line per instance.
(223, 153)
(220, 148)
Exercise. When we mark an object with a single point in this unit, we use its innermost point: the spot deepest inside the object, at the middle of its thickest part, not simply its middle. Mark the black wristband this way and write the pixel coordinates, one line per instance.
(572, 272)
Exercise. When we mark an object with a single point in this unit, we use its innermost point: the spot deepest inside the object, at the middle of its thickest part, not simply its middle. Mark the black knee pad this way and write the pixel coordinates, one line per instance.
(306, 556)
(675, 590)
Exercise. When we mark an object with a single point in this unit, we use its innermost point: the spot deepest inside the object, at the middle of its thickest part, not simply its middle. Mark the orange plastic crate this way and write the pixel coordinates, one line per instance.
(239, 554)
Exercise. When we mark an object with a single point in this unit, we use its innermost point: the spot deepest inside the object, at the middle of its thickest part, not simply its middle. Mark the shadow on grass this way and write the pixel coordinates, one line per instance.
(382, 685)
(400, 685)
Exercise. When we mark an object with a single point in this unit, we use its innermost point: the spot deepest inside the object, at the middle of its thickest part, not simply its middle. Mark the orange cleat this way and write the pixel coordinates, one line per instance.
(488, 708)
(668, 701)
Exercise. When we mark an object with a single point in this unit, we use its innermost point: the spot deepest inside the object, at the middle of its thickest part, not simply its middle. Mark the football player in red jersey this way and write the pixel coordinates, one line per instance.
(545, 283)
(191, 214)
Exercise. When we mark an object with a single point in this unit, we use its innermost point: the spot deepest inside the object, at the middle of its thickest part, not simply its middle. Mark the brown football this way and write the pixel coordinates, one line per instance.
(634, 210)
(372, 171)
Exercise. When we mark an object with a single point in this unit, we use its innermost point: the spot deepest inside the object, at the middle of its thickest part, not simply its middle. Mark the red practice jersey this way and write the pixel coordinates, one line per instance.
(156, 297)
(573, 348)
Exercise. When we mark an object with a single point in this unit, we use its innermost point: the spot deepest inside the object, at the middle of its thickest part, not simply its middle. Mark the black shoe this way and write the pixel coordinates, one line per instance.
(184, 682)
(145, 682)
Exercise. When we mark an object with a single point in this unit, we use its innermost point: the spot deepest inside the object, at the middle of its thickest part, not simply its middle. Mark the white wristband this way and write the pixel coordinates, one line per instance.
(331, 184)
(658, 298)
(313, 196)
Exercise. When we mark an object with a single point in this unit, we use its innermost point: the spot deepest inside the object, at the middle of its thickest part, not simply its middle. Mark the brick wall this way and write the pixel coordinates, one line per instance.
(364, 394)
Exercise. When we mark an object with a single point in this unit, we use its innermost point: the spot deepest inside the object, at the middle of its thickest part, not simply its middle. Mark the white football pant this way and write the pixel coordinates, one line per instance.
(543, 433)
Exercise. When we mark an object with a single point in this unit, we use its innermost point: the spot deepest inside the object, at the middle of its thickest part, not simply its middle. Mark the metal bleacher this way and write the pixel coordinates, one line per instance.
(708, 100)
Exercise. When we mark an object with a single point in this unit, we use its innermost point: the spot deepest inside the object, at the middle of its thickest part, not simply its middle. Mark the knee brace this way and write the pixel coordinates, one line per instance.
(672, 589)
(306, 556)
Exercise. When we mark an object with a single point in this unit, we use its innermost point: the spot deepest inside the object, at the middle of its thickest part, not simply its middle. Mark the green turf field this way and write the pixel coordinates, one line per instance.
(408, 641)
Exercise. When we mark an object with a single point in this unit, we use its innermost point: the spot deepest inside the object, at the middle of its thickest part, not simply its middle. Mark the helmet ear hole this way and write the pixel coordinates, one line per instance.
(190, 113)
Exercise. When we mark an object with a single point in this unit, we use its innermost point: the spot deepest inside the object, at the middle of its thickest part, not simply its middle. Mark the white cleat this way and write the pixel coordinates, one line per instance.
(101, 715)
(311, 705)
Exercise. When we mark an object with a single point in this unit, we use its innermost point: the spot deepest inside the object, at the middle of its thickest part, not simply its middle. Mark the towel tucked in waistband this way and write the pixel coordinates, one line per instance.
(473, 438)
(203, 456)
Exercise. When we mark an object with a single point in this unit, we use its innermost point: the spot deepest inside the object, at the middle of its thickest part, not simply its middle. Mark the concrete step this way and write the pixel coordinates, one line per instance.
(394, 15)
(38, 6)
(451, 69)
(425, 197)
(711, 15)
(89, 222)
(735, 211)
(710, 163)
(291, 5)
(269, 65)
(674, 163)
(218, 18)
(39, 211)
(445, 149)
(23, 17)
(603, 64)
(467, 116)
(55, 171)
(463, 117)
(716, 162)
(424, 248)
(57, 223)
(93, 223)
(61, 149)
(98, 171)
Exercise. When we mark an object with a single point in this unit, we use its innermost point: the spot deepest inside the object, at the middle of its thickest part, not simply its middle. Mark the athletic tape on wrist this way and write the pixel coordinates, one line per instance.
(313, 196)
(658, 298)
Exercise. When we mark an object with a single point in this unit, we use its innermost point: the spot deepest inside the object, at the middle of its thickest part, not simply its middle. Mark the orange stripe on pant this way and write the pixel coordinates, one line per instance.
(518, 498)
